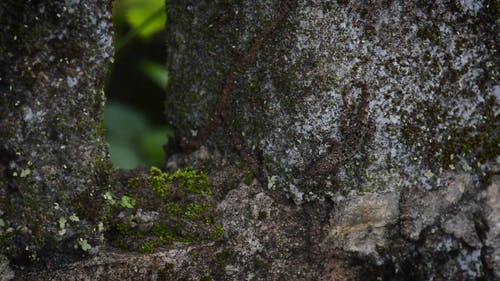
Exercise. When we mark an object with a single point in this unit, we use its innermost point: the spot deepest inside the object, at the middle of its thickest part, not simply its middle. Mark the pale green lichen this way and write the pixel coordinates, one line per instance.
(108, 196)
(84, 245)
(62, 222)
(74, 218)
(127, 202)
(100, 227)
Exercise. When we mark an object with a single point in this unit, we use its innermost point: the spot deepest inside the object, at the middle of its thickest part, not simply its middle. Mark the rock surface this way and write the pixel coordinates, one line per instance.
(53, 60)
(396, 104)
(363, 237)
(493, 221)
(430, 69)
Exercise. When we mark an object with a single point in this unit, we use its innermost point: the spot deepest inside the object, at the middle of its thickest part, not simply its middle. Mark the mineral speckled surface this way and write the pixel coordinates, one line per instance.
(431, 68)
(53, 60)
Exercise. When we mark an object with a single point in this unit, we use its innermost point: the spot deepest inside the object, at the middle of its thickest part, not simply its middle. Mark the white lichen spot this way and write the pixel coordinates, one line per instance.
(428, 174)
(28, 114)
(72, 81)
(466, 167)
(271, 182)
(471, 6)
(471, 263)
(298, 196)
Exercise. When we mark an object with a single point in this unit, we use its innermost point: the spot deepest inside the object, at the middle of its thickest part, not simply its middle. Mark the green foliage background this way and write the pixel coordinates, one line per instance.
(135, 130)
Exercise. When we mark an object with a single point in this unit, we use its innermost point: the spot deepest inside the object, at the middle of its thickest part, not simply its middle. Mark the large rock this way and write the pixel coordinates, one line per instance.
(338, 95)
(53, 60)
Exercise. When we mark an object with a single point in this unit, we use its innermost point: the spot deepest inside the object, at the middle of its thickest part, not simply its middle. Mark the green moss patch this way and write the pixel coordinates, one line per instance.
(158, 208)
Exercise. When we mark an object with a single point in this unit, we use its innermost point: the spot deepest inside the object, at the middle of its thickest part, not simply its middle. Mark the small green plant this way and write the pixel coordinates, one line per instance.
(127, 202)
(84, 245)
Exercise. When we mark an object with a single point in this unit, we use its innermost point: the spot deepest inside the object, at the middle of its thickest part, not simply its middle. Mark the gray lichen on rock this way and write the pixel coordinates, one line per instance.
(53, 60)
(431, 68)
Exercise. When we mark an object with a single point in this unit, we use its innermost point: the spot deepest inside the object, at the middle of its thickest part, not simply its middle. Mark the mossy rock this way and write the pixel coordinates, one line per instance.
(430, 69)
(153, 209)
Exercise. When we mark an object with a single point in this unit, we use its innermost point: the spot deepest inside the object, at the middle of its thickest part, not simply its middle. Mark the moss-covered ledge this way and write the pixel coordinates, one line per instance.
(153, 209)
(397, 235)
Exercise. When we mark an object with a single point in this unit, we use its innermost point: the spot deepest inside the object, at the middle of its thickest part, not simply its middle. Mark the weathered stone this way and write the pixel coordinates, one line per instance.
(462, 227)
(493, 218)
(420, 208)
(362, 224)
(6, 273)
(399, 187)
(268, 238)
(431, 68)
(53, 60)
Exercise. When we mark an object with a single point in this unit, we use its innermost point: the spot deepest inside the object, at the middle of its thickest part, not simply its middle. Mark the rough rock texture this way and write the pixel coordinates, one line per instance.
(430, 67)
(364, 237)
(378, 119)
(53, 58)
(361, 224)
(493, 221)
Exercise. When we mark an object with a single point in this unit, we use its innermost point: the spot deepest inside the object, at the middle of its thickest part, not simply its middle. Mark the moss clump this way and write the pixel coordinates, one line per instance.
(218, 231)
(149, 246)
(161, 208)
(172, 209)
(196, 182)
(158, 181)
(164, 234)
(224, 255)
(127, 230)
(6, 237)
(220, 261)
(134, 182)
(195, 211)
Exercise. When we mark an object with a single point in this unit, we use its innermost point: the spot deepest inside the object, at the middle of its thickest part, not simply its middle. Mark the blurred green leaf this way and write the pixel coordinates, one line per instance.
(145, 17)
(133, 142)
(152, 145)
(123, 121)
(123, 155)
(140, 12)
(155, 71)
